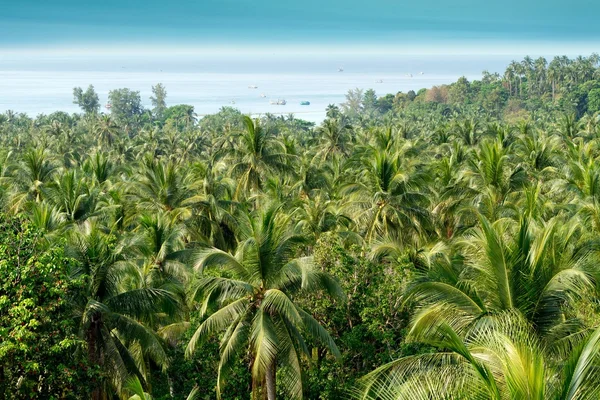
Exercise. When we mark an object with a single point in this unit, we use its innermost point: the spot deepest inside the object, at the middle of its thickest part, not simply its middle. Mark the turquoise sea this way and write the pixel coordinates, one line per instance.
(36, 84)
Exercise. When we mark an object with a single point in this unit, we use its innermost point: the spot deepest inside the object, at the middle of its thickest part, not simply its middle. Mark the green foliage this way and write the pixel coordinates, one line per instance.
(88, 101)
(159, 100)
(370, 326)
(593, 101)
(180, 115)
(125, 105)
(40, 353)
(460, 223)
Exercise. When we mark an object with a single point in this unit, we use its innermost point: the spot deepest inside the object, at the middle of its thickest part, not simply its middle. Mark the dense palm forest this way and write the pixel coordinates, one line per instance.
(443, 244)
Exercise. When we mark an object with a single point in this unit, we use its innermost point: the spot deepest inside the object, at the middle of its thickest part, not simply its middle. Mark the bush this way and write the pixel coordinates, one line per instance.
(38, 341)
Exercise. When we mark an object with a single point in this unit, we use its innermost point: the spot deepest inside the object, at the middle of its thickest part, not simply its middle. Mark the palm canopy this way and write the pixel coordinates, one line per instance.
(387, 195)
(500, 358)
(112, 319)
(535, 268)
(257, 153)
(253, 299)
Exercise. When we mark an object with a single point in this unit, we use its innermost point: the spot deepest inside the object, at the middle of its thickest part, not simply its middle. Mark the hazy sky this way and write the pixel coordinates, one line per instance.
(77, 23)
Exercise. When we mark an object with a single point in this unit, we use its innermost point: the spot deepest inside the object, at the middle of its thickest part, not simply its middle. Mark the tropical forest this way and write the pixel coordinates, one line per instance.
(439, 244)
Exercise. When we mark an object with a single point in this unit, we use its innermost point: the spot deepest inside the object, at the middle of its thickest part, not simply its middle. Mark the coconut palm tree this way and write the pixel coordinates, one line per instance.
(334, 138)
(386, 197)
(535, 268)
(35, 170)
(112, 320)
(499, 359)
(258, 153)
(162, 185)
(254, 302)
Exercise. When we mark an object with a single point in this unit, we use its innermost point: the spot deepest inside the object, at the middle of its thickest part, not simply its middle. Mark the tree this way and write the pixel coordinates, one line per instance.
(499, 359)
(334, 138)
(458, 92)
(332, 111)
(353, 105)
(88, 101)
(254, 304)
(370, 101)
(125, 105)
(593, 101)
(159, 100)
(112, 320)
(385, 198)
(39, 349)
(182, 115)
(385, 103)
(257, 154)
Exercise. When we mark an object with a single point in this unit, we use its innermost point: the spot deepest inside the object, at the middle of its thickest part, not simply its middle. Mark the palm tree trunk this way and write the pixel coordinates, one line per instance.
(270, 380)
(92, 343)
(171, 386)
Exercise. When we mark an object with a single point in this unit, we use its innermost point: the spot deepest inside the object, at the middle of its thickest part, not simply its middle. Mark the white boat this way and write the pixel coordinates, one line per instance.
(263, 95)
(421, 73)
(108, 106)
(409, 75)
(341, 69)
(232, 102)
(379, 81)
(278, 102)
(252, 87)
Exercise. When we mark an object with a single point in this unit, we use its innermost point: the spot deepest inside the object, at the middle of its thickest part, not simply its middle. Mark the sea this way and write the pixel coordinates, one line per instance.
(43, 83)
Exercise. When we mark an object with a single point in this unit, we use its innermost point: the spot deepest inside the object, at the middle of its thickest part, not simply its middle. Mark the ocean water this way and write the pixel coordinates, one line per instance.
(36, 84)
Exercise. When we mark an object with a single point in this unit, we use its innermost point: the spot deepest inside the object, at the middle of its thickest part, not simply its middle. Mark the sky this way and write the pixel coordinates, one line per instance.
(285, 24)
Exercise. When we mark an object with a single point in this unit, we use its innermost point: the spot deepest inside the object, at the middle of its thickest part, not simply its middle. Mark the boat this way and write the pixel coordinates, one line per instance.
(341, 69)
(252, 87)
(232, 102)
(305, 103)
(108, 106)
(263, 95)
(379, 81)
(421, 73)
(409, 75)
(278, 102)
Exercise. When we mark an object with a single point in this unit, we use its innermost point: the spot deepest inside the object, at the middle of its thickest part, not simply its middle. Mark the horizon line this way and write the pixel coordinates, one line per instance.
(470, 47)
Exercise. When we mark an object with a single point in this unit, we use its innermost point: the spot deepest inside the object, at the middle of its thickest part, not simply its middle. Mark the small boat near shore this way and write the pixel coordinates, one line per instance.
(305, 103)
(379, 81)
(278, 102)
(252, 87)
(263, 95)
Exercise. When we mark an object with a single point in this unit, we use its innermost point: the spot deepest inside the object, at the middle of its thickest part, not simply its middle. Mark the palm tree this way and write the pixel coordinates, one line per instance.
(499, 359)
(70, 194)
(386, 197)
(135, 387)
(332, 111)
(317, 215)
(536, 269)
(541, 74)
(106, 130)
(100, 166)
(112, 320)
(468, 130)
(334, 138)
(33, 172)
(163, 185)
(255, 304)
(257, 154)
